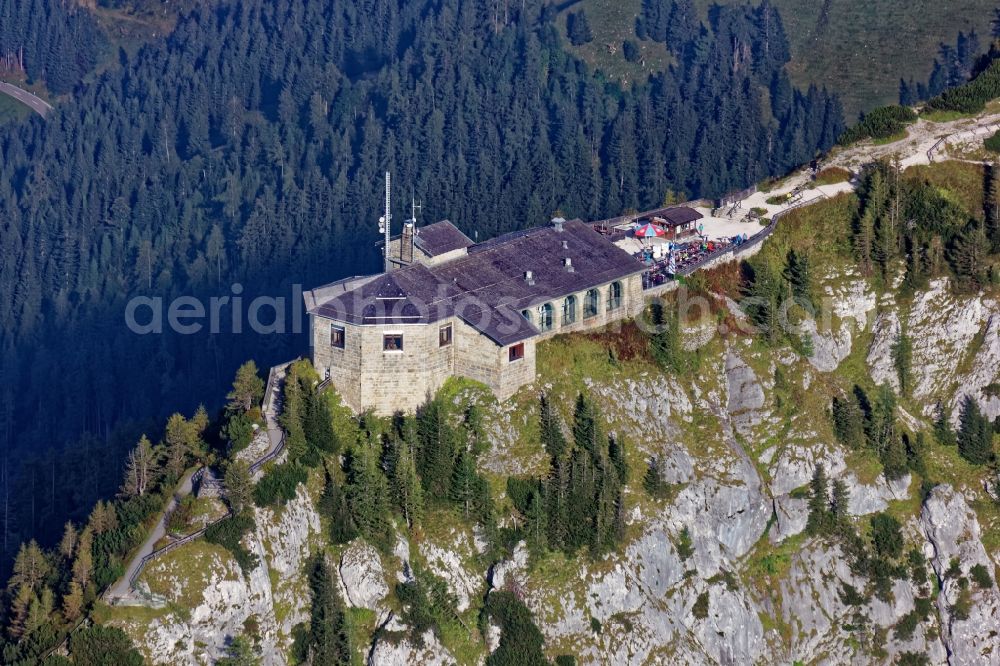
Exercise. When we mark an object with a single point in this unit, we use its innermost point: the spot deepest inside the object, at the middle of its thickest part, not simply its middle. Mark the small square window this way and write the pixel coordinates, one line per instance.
(444, 336)
(336, 336)
(392, 342)
(517, 352)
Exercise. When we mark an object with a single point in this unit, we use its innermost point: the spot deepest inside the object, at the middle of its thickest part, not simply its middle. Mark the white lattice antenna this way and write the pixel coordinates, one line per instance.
(385, 222)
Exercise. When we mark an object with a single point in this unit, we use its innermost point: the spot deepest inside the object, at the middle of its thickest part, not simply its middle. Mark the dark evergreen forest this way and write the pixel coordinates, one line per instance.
(57, 42)
(248, 147)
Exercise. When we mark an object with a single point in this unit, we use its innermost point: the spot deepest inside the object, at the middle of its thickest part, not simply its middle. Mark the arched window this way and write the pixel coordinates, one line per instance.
(545, 317)
(591, 304)
(569, 310)
(614, 296)
(526, 314)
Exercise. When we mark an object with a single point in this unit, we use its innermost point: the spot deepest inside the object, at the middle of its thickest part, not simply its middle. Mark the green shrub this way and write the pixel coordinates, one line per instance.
(700, 608)
(278, 485)
(992, 143)
(521, 641)
(97, 645)
(880, 123)
(963, 605)
(239, 431)
(229, 534)
(684, 544)
(887, 535)
(981, 576)
(427, 603)
(595, 626)
(180, 517)
(520, 490)
(913, 659)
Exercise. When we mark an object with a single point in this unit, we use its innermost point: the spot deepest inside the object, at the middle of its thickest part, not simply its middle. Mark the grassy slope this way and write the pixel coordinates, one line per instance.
(859, 49)
(612, 22)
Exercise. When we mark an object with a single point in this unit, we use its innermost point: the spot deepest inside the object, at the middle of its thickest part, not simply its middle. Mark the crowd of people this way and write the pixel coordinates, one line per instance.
(678, 257)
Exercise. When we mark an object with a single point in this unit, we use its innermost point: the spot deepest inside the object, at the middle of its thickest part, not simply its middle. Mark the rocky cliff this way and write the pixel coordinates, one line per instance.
(739, 439)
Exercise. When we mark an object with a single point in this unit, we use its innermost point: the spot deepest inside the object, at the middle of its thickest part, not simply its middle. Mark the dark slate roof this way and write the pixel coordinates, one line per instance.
(487, 287)
(677, 215)
(439, 238)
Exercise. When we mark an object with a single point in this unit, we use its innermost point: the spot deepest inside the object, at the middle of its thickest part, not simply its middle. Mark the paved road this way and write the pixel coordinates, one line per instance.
(33, 102)
(121, 588)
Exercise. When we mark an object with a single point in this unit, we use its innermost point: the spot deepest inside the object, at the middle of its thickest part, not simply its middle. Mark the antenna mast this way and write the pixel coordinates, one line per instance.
(385, 222)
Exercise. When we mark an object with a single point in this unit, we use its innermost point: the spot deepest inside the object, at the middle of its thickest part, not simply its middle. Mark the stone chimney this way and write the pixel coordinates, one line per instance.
(406, 244)
(558, 223)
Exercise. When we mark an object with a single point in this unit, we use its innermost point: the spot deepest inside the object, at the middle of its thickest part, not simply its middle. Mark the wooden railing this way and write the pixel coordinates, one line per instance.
(171, 546)
(270, 456)
(199, 477)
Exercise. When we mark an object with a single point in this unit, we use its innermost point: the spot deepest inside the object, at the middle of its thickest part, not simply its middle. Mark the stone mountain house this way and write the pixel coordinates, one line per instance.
(448, 306)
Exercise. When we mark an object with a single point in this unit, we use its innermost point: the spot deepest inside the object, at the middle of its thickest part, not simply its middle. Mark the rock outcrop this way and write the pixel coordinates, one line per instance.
(953, 530)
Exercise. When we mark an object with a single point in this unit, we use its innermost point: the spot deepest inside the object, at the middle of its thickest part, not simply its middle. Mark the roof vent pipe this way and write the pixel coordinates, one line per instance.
(529, 277)
(565, 245)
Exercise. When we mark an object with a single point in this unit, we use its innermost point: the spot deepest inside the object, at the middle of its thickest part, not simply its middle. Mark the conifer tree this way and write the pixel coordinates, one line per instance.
(406, 485)
(436, 458)
(17, 622)
(139, 469)
(616, 453)
(39, 611)
(943, 432)
(239, 652)
(248, 387)
(556, 493)
(552, 436)
(73, 601)
(329, 637)
(67, 545)
(83, 565)
(333, 504)
(536, 523)
(585, 433)
(653, 480)
(665, 342)
(319, 425)
(975, 434)
(848, 422)
(840, 500)
(177, 440)
(819, 502)
(368, 494)
(239, 486)
(799, 276)
(864, 242)
(902, 358)
(894, 460)
(578, 28)
(30, 566)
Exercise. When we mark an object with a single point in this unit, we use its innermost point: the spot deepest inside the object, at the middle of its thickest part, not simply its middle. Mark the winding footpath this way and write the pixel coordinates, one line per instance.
(33, 102)
(122, 590)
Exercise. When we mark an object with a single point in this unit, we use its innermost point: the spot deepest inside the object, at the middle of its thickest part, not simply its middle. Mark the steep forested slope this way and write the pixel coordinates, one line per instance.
(249, 147)
(711, 491)
(57, 42)
(860, 50)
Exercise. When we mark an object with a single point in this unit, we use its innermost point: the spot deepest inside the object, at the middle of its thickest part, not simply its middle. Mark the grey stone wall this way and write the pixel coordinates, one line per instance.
(367, 377)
